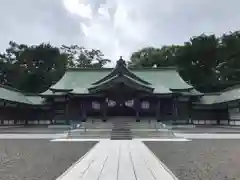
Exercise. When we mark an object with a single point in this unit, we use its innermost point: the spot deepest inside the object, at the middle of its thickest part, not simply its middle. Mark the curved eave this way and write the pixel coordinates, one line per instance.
(192, 95)
(189, 88)
(161, 90)
(163, 94)
(52, 95)
(15, 102)
(60, 90)
(120, 79)
(121, 70)
(49, 93)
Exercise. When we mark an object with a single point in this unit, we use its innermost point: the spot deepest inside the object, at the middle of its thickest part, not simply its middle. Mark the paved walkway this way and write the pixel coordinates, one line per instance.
(32, 136)
(207, 136)
(118, 160)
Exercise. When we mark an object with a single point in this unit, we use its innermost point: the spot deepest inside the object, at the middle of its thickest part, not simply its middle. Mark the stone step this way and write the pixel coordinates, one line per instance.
(121, 138)
(121, 133)
(89, 137)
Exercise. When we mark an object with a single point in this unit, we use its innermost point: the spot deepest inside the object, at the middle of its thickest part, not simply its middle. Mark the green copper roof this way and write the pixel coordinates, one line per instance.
(208, 99)
(192, 92)
(229, 94)
(79, 80)
(121, 79)
(122, 69)
(167, 77)
(50, 93)
(36, 100)
(11, 94)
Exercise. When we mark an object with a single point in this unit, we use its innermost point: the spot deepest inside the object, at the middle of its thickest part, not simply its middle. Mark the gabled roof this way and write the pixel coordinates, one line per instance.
(121, 75)
(52, 93)
(35, 100)
(191, 92)
(10, 94)
(121, 69)
(208, 99)
(227, 95)
(162, 80)
(128, 81)
(13, 95)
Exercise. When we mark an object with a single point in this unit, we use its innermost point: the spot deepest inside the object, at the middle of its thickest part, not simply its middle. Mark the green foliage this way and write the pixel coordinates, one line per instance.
(79, 57)
(150, 56)
(208, 62)
(33, 69)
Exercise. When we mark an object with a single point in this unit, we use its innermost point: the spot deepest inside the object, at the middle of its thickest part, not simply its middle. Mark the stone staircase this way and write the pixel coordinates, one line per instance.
(121, 129)
(153, 134)
(121, 134)
(97, 123)
(89, 134)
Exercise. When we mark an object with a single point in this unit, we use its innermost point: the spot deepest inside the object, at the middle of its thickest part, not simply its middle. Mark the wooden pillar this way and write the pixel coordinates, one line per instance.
(104, 110)
(175, 110)
(137, 109)
(29, 115)
(67, 112)
(158, 110)
(136, 106)
(83, 108)
(190, 111)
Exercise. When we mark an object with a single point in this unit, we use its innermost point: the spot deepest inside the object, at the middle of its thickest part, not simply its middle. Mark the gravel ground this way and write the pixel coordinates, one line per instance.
(38, 159)
(200, 159)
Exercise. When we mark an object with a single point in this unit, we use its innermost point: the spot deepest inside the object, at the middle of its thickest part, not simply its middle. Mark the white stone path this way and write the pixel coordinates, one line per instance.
(207, 136)
(179, 137)
(118, 160)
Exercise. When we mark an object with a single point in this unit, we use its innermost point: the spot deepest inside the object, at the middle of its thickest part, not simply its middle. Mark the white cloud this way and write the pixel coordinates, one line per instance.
(78, 7)
(117, 27)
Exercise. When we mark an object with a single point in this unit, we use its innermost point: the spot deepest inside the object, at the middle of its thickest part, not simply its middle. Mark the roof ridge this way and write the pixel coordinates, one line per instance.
(88, 69)
(31, 94)
(153, 68)
(10, 88)
(231, 88)
(212, 93)
(96, 86)
(130, 68)
(136, 80)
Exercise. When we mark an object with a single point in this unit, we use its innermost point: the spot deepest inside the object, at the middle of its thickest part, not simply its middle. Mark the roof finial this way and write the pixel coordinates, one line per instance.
(121, 62)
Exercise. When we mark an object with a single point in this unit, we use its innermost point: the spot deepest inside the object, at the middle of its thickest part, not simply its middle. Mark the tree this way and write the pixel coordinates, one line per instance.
(197, 61)
(210, 63)
(33, 68)
(150, 56)
(81, 57)
(228, 70)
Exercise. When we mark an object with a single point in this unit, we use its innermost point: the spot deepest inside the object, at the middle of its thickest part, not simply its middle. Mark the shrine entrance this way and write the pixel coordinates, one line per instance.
(120, 108)
(121, 90)
(121, 100)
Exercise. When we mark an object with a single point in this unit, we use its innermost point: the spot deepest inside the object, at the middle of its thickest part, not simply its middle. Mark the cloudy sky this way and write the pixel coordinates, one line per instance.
(117, 27)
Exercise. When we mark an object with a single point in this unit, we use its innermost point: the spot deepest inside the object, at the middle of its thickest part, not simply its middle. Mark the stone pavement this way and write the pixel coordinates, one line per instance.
(207, 136)
(32, 136)
(118, 160)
